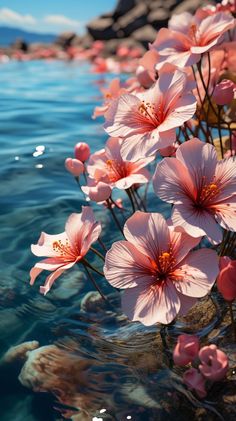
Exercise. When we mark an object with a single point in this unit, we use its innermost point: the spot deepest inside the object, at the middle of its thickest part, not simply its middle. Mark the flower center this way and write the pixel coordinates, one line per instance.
(62, 249)
(151, 112)
(207, 194)
(116, 170)
(193, 32)
(163, 267)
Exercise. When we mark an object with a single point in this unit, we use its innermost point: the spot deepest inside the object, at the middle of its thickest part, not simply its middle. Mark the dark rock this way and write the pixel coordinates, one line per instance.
(123, 7)
(20, 44)
(101, 28)
(65, 39)
(189, 6)
(145, 35)
(158, 18)
(134, 19)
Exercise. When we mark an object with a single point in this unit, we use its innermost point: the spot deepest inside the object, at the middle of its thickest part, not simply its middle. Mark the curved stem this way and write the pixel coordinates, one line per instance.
(114, 216)
(86, 263)
(95, 283)
(97, 253)
(131, 199)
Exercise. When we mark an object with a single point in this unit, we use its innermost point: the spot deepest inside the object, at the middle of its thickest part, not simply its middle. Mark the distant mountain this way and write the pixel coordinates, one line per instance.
(8, 35)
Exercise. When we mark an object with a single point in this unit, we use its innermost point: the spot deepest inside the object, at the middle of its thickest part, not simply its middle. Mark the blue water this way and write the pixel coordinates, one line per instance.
(49, 105)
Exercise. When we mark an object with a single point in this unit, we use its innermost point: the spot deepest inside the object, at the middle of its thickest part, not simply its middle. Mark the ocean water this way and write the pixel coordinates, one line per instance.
(103, 367)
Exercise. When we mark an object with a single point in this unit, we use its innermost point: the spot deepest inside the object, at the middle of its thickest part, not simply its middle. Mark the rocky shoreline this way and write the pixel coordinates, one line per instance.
(132, 25)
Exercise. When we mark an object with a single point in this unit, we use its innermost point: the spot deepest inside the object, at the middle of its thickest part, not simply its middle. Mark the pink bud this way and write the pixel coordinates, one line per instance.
(144, 77)
(195, 381)
(224, 92)
(226, 281)
(186, 349)
(99, 193)
(82, 151)
(214, 363)
(74, 166)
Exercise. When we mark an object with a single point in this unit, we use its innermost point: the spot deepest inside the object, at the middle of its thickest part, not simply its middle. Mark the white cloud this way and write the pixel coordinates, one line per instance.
(11, 17)
(60, 20)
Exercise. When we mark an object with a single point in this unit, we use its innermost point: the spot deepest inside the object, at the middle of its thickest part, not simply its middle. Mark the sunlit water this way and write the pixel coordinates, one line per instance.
(46, 108)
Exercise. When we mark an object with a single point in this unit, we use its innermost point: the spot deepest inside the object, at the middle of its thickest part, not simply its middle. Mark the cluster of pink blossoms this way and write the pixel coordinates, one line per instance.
(172, 126)
(212, 363)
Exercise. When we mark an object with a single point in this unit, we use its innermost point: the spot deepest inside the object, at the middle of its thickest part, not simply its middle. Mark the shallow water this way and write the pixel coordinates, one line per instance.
(105, 362)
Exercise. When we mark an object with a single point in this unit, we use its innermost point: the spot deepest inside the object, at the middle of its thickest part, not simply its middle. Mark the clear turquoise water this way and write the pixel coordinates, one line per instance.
(50, 104)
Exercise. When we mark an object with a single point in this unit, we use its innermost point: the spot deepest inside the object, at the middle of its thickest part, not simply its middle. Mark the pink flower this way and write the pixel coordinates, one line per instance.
(224, 92)
(214, 363)
(65, 249)
(190, 36)
(226, 281)
(195, 381)
(114, 90)
(74, 166)
(147, 121)
(186, 349)
(97, 192)
(201, 188)
(160, 275)
(82, 151)
(108, 166)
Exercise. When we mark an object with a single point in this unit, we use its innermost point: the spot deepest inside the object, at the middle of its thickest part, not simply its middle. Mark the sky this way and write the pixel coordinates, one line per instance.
(52, 16)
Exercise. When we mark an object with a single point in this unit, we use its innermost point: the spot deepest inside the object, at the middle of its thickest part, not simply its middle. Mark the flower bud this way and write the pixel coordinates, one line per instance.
(224, 92)
(186, 349)
(74, 166)
(214, 363)
(97, 193)
(195, 381)
(82, 151)
(226, 281)
(144, 77)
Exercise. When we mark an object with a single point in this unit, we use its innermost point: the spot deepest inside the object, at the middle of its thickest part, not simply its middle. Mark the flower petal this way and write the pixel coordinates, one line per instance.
(196, 222)
(151, 305)
(148, 232)
(172, 181)
(126, 267)
(44, 247)
(197, 273)
(200, 159)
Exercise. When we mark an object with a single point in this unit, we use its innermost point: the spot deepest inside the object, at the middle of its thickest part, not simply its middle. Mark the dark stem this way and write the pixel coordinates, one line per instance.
(94, 283)
(102, 244)
(114, 216)
(131, 199)
(141, 201)
(86, 263)
(97, 253)
(232, 319)
(168, 354)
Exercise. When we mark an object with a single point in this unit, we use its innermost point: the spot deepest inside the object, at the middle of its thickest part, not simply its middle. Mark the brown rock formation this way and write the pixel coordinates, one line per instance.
(138, 19)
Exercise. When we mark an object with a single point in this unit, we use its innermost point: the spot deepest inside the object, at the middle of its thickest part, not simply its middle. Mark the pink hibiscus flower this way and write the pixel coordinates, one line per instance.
(201, 188)
(160, 275)
(108, 166)
(65, 249)
(113, 91)
(147, 121)
(190, 36)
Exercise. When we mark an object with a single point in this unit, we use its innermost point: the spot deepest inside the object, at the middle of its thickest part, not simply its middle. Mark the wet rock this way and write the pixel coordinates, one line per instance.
(19, 352)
